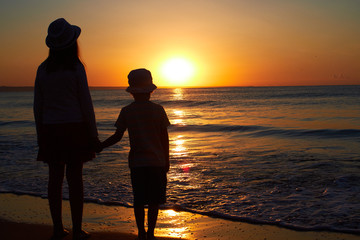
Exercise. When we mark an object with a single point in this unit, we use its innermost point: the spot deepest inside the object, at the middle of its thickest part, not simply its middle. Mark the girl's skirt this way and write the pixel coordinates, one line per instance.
(65, 143)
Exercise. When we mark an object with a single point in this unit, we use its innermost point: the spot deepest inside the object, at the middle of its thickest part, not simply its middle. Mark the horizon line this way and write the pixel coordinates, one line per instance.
(305, 85)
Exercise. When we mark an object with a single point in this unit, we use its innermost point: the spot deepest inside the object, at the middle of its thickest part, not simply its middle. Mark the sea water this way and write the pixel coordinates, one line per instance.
(288, 156)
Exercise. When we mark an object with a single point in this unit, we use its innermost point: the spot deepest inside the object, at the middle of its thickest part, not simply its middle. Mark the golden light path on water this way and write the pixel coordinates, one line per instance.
(178, 94)
(179, 120)
(179, 148)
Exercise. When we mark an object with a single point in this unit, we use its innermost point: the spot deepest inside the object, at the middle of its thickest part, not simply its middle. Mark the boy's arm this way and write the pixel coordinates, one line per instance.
(165, 143)
(116, 137)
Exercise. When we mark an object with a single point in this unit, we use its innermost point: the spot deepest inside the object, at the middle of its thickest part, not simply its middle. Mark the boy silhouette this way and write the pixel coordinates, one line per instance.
(147, 124)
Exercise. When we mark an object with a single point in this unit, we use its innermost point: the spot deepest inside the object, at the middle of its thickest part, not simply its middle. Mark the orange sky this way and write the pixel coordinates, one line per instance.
(229, 42)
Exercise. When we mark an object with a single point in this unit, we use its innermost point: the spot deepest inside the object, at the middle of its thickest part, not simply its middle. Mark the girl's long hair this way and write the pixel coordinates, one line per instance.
(65, 59)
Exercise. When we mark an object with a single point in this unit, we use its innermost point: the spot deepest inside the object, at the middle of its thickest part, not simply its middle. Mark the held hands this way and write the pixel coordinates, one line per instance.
(96, 145)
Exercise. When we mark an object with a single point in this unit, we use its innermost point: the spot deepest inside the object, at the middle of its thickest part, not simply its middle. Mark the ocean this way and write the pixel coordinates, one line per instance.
(288, 156)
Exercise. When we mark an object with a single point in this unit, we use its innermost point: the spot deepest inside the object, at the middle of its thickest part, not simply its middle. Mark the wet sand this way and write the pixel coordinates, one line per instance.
(27, 217)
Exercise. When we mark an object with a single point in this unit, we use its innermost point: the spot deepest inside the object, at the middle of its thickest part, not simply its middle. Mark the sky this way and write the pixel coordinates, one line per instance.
(224, 42)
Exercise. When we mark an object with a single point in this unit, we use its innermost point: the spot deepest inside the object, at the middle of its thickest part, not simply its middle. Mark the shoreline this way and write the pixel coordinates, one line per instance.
(31, 214)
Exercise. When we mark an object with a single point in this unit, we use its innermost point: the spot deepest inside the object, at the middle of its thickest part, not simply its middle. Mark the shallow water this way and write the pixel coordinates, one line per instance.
(280, 155)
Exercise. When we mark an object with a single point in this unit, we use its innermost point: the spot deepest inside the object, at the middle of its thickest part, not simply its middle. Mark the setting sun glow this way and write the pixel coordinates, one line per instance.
(217, 44)
(177, 71)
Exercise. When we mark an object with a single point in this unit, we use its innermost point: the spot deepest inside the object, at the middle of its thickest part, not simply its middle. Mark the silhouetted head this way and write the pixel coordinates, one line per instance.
(63, 48)
(61, 34)
(140, 81)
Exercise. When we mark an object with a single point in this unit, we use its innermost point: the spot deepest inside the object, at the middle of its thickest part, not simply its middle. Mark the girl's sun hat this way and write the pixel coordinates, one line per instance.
(140, 81)
(61, 34)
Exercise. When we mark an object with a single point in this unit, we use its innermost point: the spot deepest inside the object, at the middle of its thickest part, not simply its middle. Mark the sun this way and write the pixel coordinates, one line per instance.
(177, 71)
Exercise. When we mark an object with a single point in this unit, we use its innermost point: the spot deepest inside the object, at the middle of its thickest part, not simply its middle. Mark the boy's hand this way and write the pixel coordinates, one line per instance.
(116, 137)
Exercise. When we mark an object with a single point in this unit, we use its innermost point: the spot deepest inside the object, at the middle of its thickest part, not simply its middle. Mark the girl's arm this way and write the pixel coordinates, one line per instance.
(86, 103)
(37, 107)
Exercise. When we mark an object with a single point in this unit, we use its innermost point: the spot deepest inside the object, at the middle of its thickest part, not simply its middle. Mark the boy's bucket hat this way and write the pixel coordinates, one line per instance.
(61, 34)
(140, 81)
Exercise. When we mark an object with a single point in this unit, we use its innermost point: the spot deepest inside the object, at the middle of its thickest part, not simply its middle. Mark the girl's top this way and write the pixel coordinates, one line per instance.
(63, 96)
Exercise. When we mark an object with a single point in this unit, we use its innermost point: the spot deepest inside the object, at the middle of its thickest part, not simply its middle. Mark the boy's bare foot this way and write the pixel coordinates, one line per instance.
(152, 238)
(141, 238)
(82, 235)
(59, 235)
(141, 235)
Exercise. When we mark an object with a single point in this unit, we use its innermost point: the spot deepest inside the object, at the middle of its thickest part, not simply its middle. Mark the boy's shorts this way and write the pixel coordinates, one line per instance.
(149, 185)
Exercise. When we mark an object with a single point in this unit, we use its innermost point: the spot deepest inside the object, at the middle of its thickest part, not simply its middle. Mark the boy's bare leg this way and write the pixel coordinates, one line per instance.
(139, 212)
(152, 218)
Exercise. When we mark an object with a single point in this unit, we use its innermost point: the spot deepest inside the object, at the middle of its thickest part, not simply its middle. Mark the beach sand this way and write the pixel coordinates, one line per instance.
(27, 217)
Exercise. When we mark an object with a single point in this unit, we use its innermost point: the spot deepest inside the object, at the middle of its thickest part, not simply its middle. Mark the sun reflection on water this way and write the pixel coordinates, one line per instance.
(178, 115)
(183, 174)
(178, 94)
(179, 148)
(178, 118)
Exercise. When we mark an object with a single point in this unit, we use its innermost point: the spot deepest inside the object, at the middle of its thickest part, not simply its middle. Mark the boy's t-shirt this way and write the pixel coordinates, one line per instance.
(145, 122)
